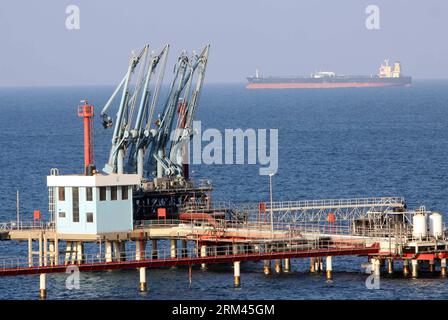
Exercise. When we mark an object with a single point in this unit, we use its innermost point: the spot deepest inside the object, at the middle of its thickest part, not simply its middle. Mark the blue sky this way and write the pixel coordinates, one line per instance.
(277, 37)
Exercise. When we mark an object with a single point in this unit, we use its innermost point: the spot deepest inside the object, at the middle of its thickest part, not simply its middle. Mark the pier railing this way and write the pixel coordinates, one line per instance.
(337, 203)
(188, 255)
(26, 225)
(223, 230)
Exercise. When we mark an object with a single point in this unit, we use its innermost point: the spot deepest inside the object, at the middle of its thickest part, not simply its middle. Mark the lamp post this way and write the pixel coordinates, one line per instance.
(272, 213)
(18, 208)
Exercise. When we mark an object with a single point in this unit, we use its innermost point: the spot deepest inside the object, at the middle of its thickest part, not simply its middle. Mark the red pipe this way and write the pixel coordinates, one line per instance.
(87, 112)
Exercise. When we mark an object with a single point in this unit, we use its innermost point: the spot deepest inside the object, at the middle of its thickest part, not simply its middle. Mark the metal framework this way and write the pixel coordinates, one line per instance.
(342, 209)
(147, 145)
(186, 256)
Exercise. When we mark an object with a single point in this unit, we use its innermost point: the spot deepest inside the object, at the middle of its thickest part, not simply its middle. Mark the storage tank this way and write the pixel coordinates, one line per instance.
(435, 225)
(419, 229)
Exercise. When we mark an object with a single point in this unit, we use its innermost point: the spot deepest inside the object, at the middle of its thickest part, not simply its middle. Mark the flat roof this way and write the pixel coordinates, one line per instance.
(97, 180)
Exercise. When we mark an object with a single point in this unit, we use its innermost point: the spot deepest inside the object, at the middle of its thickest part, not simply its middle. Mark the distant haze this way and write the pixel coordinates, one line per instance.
(277, 37)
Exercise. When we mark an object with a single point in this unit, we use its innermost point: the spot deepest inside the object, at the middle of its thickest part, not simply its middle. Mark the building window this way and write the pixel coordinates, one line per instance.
(61, 191)
(61, 214)
(102, 193)
(75, 201)
(89, 194)
(89, 217)
(124, 193)
(113, 193)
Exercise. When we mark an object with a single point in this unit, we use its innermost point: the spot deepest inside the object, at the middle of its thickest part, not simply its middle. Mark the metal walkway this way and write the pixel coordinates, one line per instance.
(13, 267)
(342, 209)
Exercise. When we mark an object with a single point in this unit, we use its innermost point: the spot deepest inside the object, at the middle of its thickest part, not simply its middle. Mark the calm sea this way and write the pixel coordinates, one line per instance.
(332, 144)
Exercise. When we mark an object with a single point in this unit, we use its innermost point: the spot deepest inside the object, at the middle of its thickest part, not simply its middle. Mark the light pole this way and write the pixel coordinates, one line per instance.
(272, 213)
(18, 208)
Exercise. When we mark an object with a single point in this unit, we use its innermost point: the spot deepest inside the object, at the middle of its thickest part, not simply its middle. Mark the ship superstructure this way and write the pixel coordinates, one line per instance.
(387, 76)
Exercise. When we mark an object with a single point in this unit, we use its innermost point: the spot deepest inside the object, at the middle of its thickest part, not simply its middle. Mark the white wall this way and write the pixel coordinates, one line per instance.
(115, 216)
(66, 225)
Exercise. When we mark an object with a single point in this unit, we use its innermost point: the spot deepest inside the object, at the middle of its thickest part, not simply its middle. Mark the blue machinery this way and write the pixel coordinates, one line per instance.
(153, 150)
(155, 147)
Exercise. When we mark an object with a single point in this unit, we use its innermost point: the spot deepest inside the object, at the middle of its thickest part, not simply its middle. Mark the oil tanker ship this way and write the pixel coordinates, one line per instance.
(387, 76)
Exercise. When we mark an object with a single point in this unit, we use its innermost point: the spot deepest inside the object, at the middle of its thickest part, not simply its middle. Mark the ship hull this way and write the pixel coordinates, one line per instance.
(328, 83)
(320, 85)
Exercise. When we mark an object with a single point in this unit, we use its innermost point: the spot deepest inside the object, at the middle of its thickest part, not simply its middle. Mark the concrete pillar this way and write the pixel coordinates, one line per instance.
(312, 265)
(203, 254)
(108, 251)
(142, 279)
(405, 267)
(173, 248)
(73, 251)
(40, 250)
(390, 266)
(414, 268)
(79, 252)
(321, 264)
(443, 267)
(30, 251)
(431, 265)
(51, 253)
(45, 252)
(287, 265)
(56, 250)
(236, 272)
(376, 266)
(329, 267)
(123, 250)
(267, 267)
(140, 248)
(184, 248)
(278, 266)
(68, 252)
(316, 265)
(154, 249)
(116, 250)
(42, 286)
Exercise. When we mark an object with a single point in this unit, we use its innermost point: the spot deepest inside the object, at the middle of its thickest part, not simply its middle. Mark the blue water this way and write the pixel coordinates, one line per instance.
(332, 143)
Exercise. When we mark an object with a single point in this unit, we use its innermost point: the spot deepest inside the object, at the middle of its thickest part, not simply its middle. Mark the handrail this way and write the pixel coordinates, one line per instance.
(168, 254)
(335, 203)
(26, 225)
